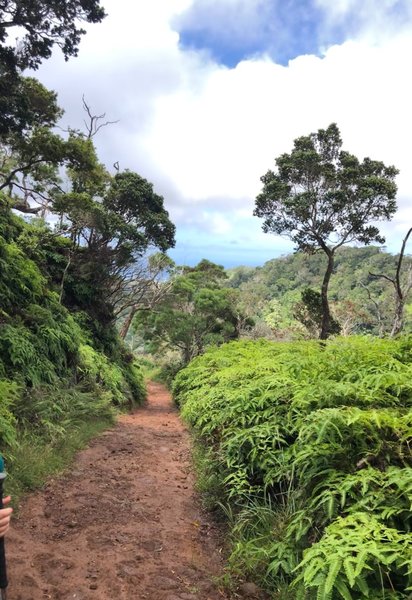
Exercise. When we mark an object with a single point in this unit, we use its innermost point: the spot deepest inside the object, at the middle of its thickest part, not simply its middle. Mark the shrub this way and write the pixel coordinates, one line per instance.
(52, 412)
(63, 369)
(9, 392)
(123, 382)
(321, 434)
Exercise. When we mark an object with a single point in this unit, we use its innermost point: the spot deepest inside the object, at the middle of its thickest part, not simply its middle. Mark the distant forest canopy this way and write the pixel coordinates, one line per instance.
(206, 305)
(361, 302)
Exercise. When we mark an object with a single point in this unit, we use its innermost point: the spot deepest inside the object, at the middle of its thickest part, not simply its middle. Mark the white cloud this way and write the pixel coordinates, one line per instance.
(368, 13)
(220, 141)
(204, 133)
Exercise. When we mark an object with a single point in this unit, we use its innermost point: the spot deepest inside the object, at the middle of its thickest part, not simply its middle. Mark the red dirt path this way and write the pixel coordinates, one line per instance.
(125, 523)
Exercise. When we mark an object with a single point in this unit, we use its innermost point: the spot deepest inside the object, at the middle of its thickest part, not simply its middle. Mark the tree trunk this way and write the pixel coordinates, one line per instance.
(401, 294)
(69, 260)
(324, 333)
(398, 318)
(128, 321)
(187, 355)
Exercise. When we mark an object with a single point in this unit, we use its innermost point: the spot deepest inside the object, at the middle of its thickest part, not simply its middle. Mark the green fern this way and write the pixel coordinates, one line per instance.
(9, 393)
(352, 553)
(324, 430)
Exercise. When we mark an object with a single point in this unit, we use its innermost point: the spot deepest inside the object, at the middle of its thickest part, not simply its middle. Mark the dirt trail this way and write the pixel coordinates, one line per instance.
(125, 523)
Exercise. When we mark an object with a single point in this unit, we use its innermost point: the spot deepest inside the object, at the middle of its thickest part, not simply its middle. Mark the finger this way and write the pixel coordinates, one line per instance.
(4, 530)
(4, 527)
(5, 511)
(6, 500)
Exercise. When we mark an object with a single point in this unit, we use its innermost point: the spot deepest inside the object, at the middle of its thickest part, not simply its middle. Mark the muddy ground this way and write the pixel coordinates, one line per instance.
(125, 523)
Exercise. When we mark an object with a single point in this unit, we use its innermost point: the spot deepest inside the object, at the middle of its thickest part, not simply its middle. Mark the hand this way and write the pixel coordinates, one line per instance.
(5, 515)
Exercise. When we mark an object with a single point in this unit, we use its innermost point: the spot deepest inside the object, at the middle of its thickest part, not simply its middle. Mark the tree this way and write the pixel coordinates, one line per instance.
(25, 103)
(322, 197)
(43, 25)
(148, 283)
(197, 312)
(32, 154)
(401, 289)
(309, 312)
(104, 224)
(250, 305)
(111, 222)
(350, 314)
(144, 218)
(46, 23)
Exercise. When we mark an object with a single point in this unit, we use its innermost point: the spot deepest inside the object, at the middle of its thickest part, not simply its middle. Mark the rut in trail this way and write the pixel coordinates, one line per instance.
(124, 524)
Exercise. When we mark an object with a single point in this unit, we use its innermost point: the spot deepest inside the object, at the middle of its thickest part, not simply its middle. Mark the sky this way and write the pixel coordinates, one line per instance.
(207, 93)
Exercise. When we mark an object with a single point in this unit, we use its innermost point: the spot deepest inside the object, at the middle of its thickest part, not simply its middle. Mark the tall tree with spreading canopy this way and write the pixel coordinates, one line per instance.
(29, 31)
(45, 24)
(104, 224)
(322, 197)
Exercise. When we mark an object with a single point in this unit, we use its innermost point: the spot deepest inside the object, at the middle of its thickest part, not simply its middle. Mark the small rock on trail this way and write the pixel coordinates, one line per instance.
(124, 523)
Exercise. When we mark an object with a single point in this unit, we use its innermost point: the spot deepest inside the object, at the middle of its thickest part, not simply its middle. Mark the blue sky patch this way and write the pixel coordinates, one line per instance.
(234, 30)
(230, 32)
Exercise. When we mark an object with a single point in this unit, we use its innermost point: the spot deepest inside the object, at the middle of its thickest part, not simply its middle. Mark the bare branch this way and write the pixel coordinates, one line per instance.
(8, 178)
(94, 124)
(69, 261)
(26, 208)
(376, 305)
(382, 276)
(400, 292)
(399, 265)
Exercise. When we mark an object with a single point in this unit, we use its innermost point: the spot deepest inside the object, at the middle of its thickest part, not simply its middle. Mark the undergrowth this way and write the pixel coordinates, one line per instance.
(308, 447)
(59, 380)
(33, 459)
(151, 371)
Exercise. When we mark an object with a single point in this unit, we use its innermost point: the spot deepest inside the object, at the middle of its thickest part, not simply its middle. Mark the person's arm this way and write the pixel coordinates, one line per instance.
(5, 516)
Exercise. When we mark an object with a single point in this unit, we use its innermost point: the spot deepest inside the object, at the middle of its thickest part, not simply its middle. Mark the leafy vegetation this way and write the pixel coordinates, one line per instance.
(322, 197)
(308, 443)
(66, 260)
(198, 311)
(56, 382)
(360, 302)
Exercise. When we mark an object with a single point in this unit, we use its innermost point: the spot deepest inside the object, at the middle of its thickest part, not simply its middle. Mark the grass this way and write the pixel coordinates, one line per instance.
(208, 484)
(149, 368)
(34, 460)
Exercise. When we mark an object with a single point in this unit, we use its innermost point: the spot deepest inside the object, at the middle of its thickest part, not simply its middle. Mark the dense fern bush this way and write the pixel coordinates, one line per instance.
(123, 382)
(311, 443)
(54, 374)
(8, 394)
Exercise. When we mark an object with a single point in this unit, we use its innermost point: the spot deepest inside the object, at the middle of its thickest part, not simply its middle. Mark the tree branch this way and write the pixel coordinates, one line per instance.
(399, 265)
(93, 126)
(382, 276)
